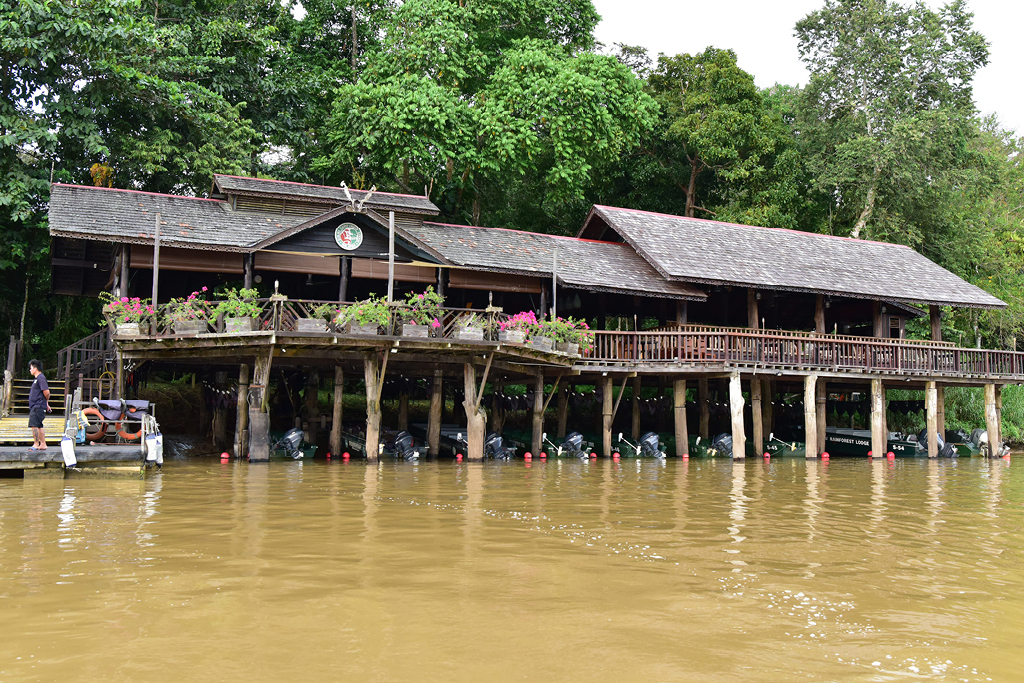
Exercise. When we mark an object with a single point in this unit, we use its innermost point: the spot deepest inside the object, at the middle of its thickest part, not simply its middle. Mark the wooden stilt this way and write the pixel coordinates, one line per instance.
(476, 418)
(220, 413)
(537, 443)
(819, 314)
(757, 419)
(810, 417)
(635, 427)
(563, 410)
(119, 378)
(434, 416)
(373, 373)
(336, 416)
(312, 405)
(739, 438)
(940, 408)
(767, 405)
(932, 422)
(991, 419)
(679, 413)
(753, 322)
(607, 411)
(819, 402)
(705, 411)
(497, 409)
(403, 411)
(879, 438)
(999, 418)
(242, 413)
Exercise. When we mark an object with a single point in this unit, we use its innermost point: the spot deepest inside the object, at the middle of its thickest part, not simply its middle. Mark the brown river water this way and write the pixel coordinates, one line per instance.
(849, 570)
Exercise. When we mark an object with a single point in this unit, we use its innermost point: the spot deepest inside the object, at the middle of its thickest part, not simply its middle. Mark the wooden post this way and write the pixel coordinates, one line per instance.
(497, 409)
(434, 415)
(124, 281)
(156, 260)
(752, 319)
(991, 419)
(119, 376)
(373, 373)
(935, 316)
(876, 318)
(312, 404)
(476, 418)
(940, 408)
(635, 430)
(757, 420)
(879, 438)
(682, 312)
(259, 436)
(537, 443)
(767, 408)
(705, 410)
(242, 413)
(336, 416)
(999, 418)
(563, 410)
(391, 255)
(739, 438)
(819, 314)
(403, 411)
(810, 416)
(932, 423)
(679, 413)
(607, 408)
(343, 281)
(819, 402)
(247, 266)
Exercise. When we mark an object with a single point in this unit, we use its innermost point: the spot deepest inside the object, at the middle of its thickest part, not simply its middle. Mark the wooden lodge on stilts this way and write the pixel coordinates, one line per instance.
(730, 315)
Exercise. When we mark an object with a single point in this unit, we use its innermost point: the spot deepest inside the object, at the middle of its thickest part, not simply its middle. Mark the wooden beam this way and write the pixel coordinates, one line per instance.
(705, 410)
(618, 401)
(338, 407)
(242, 413)
(940, 408)
(752, 316)
(563, 410)
(935, 317)
(434, 415)
(757, 421)
(679, 413)
(476, 419)
(879, 438)
(819, 314)
(820, 415)
(537, 442)
(479, 393)
(607, 415)
(554, 388)
(635, 426)
(931, 419)
(739, 438)
(991, 420)
(810, 416)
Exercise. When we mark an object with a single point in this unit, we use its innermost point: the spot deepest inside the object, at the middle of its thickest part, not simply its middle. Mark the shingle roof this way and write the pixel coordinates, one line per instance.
(697, 250)
(261, 187)
(583, 264)
(128, 216)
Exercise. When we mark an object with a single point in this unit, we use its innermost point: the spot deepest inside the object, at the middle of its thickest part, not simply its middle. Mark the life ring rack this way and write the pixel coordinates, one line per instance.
(102, 431)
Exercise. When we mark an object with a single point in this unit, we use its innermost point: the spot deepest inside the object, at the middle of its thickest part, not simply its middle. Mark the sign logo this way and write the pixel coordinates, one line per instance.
(348, 236)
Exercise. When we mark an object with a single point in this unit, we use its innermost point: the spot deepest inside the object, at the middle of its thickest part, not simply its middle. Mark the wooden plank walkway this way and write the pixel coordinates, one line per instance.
(14, 429)
(13, 456)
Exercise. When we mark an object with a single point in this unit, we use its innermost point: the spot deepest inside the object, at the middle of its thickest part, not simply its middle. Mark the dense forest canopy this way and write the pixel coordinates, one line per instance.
(508, 114)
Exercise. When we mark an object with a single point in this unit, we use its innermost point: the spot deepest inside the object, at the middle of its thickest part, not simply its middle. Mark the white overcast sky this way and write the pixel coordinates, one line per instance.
(760, 32)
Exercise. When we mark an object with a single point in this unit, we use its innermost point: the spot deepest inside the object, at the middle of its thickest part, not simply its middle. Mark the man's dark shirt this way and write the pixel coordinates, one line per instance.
(36, 399)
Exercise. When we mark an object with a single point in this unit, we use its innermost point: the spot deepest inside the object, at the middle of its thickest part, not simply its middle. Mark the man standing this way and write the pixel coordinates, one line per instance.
(38, 404)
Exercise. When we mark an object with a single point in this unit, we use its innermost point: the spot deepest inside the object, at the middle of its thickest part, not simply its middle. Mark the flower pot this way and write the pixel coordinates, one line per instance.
(511, 337)
(415, 330)
(541, 343)
(239, 325)
(310, 325)
(128, 330)
(568, 348)
(189, 327)
(470, 333)
(361, 330)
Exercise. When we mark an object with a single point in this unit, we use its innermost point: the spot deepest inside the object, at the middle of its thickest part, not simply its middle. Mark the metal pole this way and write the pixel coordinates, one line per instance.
(156, 259)
(554, 284)
(391, 255)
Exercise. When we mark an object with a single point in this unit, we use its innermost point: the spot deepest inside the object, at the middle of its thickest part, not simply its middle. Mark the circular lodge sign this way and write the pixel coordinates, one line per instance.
(348, 236)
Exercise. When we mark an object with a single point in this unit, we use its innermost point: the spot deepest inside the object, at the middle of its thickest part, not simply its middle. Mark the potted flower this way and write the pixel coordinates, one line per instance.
(580, 337)
(364, 317)
(126, 313)
(188, 315)
(319, 317)
(539, 336)
(421, 313)
(240, 310)
(470, 327)
(559, 330)
(515, 329)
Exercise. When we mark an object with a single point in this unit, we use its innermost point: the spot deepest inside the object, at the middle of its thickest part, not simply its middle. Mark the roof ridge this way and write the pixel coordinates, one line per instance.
(326, 187)
(151, 194)
(757, 227)
(524, 232)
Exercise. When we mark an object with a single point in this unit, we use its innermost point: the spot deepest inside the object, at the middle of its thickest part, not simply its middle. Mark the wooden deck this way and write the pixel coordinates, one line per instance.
(14, 429)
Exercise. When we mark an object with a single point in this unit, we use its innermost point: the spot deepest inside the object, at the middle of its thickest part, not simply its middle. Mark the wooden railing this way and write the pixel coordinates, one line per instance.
(84, 356)
(743, 347)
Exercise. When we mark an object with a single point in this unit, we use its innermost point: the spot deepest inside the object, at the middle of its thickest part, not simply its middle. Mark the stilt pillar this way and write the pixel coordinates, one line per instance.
(403, 411)
(767, 407)
(810, 416)
(312, 405)
(992, 420)
(476, 418)
(757, 422)
(607, 407)
(635, 427)
(497, 409)
(373, 373)
(879, 438)
(705, 411)
(820, 405)
(434, 415)
(242, 413)
(999, 418)
(739, 438)
(819, 314)
(931, 421)
(336, 415)
(563, 410)
(679, 412)
(940, 408)
(537, 443)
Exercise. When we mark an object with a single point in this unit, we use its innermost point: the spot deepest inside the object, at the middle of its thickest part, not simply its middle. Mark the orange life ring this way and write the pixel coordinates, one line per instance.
(97, 435)
(124, 434)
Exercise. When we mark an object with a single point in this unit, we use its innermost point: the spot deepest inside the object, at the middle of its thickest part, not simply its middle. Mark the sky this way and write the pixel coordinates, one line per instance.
(760, 32)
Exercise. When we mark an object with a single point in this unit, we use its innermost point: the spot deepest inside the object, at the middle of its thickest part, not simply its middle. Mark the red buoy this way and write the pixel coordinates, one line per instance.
(870, 455)
(527, 454)
(824, 455)
(527, 457)
(767, 454)
(890, 455)
(686, 456)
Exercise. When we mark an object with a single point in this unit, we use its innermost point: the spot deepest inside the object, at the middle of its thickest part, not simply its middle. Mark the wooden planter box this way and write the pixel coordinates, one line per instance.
(470, 333)
(361, 330)
(239, 325)
(541, 343)
(128, 330)
(190, 327)
(415, 330)
(511, 337)
(310, 325)
(568, 348)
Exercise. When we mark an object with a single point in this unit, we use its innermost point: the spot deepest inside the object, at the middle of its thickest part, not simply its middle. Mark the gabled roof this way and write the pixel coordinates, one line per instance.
(697, 250)
(83, 212)
(582, 264)
(262, 187)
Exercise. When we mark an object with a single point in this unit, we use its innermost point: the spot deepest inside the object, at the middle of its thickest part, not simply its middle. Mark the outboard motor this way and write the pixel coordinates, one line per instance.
(572, 445)
(493, 448)
(650, 446)
(290, 442)
(401, 446)
(722, 445)
(946, 449)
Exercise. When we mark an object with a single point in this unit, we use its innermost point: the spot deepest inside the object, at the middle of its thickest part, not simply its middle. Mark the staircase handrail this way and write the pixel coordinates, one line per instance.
(82, 352)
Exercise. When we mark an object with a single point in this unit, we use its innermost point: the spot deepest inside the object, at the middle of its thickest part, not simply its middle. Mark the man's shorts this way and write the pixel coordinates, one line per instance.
(35, 417)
